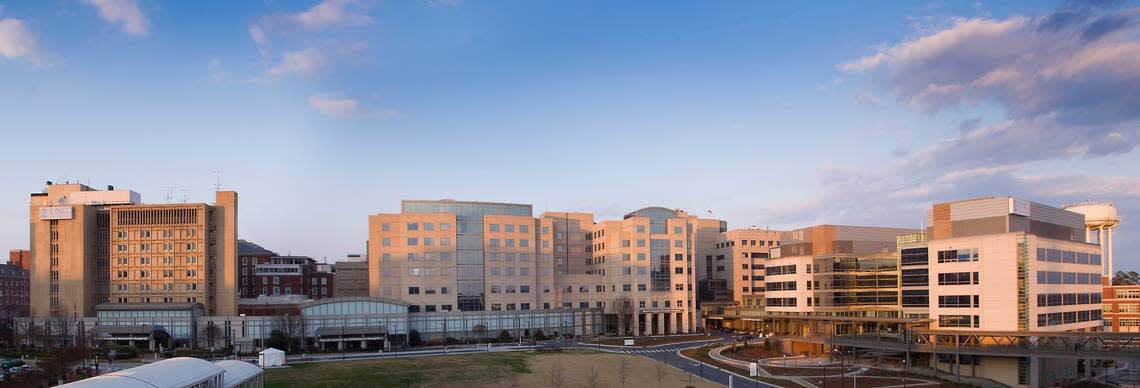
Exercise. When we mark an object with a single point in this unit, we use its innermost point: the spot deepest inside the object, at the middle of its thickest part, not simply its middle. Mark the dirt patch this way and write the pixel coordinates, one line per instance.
(599, 370)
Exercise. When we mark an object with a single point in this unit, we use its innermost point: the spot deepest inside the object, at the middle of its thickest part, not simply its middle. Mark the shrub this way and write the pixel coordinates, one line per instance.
(539, 335)
(414, 338)
(505, 336)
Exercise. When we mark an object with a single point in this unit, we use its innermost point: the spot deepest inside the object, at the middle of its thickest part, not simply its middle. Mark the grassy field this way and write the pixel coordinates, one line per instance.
(453, 371)
(579, 368)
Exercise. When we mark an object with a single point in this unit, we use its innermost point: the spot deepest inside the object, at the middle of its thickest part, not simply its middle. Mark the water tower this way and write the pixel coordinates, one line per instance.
(1100, 220)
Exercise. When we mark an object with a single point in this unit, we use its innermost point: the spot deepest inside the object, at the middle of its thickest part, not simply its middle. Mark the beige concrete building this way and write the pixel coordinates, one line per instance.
(475, 256)
(350, 277)
(104, 246)
(736, 272)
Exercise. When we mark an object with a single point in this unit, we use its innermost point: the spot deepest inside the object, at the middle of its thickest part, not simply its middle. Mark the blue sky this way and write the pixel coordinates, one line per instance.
(772, 114)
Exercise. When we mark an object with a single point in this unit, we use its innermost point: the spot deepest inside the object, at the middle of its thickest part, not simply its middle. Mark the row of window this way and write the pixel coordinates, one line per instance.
(1065, 318)
(780, 286)
(1054, 277)
(1046, 300)
(958, 255)
(147, 287)
(732, 243)
(780, 302)
(166, 247)
(789, 269)
(167, 233)
(958, 301)
(427, 226)
(190, 273)
(959, 321)
(1062, 256)
(166, 260)
(958, 278)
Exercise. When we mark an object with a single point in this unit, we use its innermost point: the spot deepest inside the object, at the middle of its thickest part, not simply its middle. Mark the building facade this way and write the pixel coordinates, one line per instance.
(104, 246)
(350, 277)
(481, 256)
(13, 292)
(736, 272)
(835, 270)
(1121, 307)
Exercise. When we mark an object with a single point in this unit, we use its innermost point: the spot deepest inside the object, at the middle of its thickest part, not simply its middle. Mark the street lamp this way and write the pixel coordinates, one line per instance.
(904, 372)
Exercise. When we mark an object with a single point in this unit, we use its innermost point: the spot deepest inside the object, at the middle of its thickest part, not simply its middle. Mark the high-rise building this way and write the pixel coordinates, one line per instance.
(475, 256)
(104, 246)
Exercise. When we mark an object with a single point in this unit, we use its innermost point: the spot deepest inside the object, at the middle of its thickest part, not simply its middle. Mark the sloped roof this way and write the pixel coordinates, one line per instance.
(246, 248)
(238, 372)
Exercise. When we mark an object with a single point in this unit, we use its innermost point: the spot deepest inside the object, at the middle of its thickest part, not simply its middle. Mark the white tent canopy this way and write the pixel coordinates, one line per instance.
(271, 357)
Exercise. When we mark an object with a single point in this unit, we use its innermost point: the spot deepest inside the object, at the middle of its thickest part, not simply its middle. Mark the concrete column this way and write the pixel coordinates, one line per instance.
(635, 323)
(685, 323)
(660, 323)
(1034, 372)
(675, 328)
(340, 345)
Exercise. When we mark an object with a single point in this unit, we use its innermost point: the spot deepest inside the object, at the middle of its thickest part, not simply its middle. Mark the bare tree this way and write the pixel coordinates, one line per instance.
(290, 326)
(480, 330)
(212, 332)
(593, 378)
(624, 309)
(556, 375)
(58, 327)
(26, 332)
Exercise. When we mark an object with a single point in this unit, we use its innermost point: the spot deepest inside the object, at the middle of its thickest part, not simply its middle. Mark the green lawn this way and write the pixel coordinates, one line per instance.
(470, 370)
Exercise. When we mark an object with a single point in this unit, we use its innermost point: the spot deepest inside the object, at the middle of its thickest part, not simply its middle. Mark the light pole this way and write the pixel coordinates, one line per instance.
(904, 372)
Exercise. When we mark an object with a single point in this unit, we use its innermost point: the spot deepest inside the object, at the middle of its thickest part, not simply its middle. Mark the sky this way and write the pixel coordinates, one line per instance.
(768, 114)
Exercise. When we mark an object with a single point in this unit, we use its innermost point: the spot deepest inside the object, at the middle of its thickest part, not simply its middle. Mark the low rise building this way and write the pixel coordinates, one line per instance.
(1121, 307)
(350, 277)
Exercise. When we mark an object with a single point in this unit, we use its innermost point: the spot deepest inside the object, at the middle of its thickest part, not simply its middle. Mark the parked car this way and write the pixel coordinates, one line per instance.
(8, 364)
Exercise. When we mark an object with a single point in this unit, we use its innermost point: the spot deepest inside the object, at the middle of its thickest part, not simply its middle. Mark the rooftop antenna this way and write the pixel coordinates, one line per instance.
(169, 193)
(184, 195)
(217, 180)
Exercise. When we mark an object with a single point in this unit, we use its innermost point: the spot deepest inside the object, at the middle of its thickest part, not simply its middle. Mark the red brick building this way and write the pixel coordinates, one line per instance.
(13, 292)
(262, 272)
(1121, 307)
(21, 258)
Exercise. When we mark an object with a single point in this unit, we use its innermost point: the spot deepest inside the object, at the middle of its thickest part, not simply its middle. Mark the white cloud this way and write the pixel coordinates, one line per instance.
(1065, 80)
(338, 106)
(125, 13)
(326, 14)
(18, 41)
(258, 35)
(306, 62)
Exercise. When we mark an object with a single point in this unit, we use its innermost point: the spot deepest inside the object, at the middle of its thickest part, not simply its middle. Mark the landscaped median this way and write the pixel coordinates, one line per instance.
(701, 354)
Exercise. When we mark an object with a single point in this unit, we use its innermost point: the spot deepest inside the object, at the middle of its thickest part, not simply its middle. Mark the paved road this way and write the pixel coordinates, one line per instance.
(668, 355)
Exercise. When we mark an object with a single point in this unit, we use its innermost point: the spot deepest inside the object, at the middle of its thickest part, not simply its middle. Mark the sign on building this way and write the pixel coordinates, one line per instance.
(56, 213)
